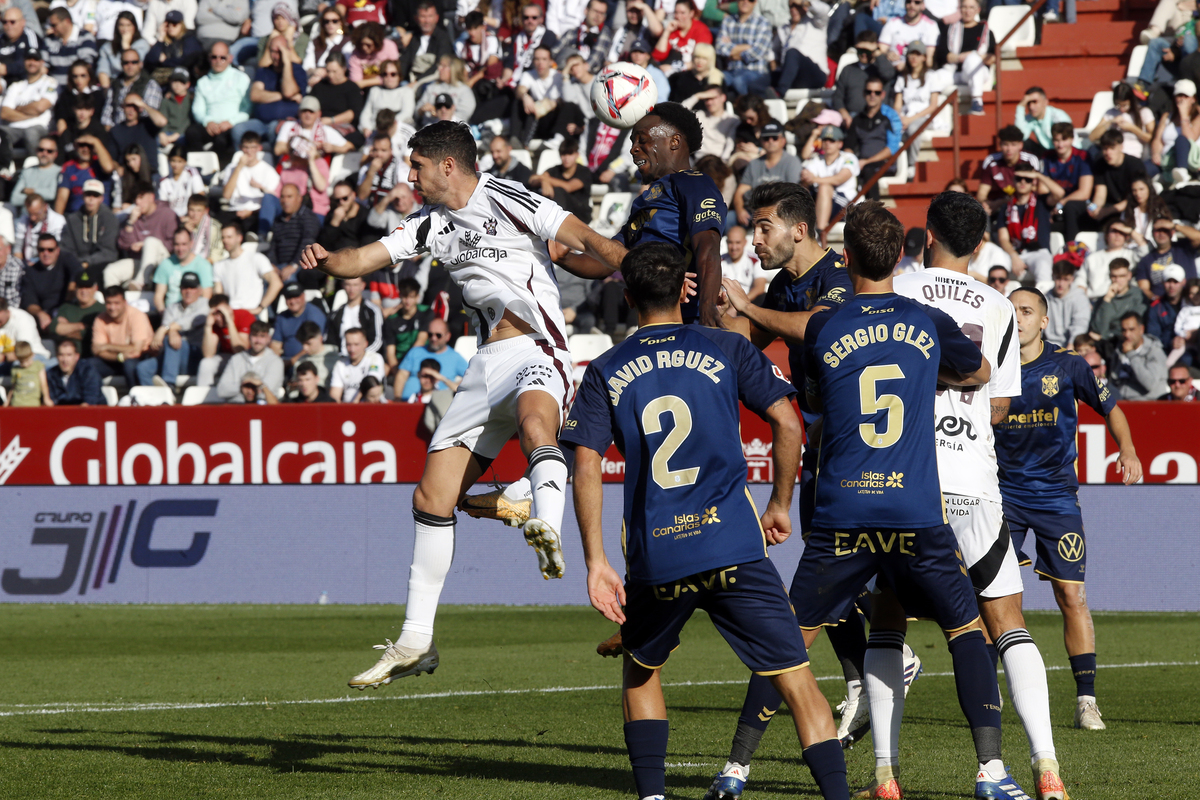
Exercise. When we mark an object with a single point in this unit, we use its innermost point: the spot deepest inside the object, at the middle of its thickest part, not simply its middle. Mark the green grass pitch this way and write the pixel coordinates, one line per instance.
(251, 702)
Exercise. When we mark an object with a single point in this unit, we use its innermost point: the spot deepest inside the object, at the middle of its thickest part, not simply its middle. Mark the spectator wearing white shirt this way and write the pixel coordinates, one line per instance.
(182, 181)
(248, 181)
(38, 218)
(26, 109)
(353, 367)
(539, 111)
(918, 92)
(804, 60)
(18, 325)
(1092, 277)
(742, 265)
(900, 32)
(830, 176)
(241, 275)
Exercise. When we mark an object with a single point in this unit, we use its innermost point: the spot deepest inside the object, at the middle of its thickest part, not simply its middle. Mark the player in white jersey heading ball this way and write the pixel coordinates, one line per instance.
(967, 466)
(491, 236)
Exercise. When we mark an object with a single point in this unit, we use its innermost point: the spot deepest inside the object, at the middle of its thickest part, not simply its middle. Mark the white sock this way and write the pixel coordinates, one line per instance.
(1026, 674)
(883, 678)
(518, 490)
(433, 551)
(548, 476)
(854, 690)
(994, 769)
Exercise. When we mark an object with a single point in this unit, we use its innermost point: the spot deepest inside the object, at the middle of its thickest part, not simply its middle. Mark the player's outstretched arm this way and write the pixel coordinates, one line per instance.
(1127, 460)
(606, 591)
(786, 436)
(787, 325)
(352, 262)
(603, 255)
(708, 261)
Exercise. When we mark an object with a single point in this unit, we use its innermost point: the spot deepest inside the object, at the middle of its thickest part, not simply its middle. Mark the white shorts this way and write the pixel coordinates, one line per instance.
(483, 414)
(987, 548)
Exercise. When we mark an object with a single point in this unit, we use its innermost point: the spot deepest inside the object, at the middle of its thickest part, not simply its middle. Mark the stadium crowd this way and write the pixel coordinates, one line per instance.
(171, 159)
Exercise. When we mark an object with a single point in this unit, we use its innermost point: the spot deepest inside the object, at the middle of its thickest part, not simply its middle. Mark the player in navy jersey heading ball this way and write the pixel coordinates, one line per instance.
(668, 396)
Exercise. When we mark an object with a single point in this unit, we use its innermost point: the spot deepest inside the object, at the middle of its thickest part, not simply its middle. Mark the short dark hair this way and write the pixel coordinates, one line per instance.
(258, 326)
(178, 151)
(74, 345)
(569, 146)
(957, 221)
(253, 137)
(359, 331)
(998, 266)
(1064, 130)
(179, 230)
(874, 238)
(684, 120)
(307, 330)
(60, 14)
(445, 139)
(1011, 133)
(1111, 138)
(1062, 269)
(793, 203)
(654, 275)
(1041, 298)
(1133, 315)
(429, 363)
(197, 200)
(218, 299)
(1118, 263)
(407, 286)
(473, 20)
(143, 187)
(109, 291)
(369, 382)
(1036, 90)
(869, 37)
(235, 225)
(384, 120)
(44, 235)
(306, 367)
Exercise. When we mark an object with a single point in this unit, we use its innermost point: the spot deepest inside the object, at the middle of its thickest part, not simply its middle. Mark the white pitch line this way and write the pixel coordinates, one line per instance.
(100, 708)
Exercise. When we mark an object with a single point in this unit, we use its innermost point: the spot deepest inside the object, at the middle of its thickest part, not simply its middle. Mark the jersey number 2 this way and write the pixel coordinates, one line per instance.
(663, 475)
(870, 403)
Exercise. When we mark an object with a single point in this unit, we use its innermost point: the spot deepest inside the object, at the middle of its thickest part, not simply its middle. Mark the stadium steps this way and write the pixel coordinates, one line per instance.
(1072, 63)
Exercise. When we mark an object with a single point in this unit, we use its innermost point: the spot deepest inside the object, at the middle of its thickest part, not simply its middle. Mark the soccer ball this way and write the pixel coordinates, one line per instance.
(622, 94)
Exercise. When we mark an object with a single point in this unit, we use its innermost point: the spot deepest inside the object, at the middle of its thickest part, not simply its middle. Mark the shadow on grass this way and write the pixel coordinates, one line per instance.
(422, 756)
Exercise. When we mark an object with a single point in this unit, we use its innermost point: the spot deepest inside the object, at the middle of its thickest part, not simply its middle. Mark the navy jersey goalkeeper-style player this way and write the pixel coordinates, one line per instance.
(668, 397)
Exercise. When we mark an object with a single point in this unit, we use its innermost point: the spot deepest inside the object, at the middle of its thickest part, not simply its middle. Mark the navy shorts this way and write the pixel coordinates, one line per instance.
(1061, 549)
(922, 566)
(746, 602)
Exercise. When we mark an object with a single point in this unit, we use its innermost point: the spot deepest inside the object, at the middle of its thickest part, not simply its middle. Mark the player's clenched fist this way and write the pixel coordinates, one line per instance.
(313, 257)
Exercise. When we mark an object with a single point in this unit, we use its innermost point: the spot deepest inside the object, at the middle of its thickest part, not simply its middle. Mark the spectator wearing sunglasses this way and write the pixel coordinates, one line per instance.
(849, 92)
(452, 365)
(18, 39)
(997, 278)
(776, 164)
(41, 179)
(1180, 386)
(178, 48)
(875, 133)
(27, 106)
(1024, 231)
(1160, 319)
(998, 169)
(345, 223)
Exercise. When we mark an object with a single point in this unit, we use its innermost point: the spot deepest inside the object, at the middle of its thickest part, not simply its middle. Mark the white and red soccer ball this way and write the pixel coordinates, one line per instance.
(622, 94)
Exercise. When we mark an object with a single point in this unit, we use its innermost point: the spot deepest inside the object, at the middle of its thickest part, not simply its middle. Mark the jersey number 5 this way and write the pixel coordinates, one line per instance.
(663, 475)
(871, 403)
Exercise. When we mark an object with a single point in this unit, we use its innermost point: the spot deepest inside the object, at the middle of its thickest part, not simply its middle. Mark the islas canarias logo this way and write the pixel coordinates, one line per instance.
(685, 525)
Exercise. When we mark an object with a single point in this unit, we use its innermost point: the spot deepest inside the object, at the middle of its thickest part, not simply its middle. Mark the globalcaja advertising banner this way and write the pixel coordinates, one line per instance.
(353, 544)
(356, 444)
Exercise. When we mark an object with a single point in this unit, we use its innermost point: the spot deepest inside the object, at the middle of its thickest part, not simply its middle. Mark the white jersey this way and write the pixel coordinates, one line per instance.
(495, 249)
(966, 450)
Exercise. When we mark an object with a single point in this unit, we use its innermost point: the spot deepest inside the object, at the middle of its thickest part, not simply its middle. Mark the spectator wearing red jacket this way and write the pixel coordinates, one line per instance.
(679, 38)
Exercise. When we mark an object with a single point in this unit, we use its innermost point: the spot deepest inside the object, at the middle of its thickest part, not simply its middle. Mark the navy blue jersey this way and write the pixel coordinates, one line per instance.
(675, 209)
(1035, 445)
(873, 364)
(668, 396)
(826, 283)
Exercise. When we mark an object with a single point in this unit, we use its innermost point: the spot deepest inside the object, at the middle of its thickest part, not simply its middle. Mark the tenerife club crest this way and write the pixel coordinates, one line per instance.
(1049, 385)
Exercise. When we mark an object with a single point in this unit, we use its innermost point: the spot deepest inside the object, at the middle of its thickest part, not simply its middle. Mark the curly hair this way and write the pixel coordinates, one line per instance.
(683, 120)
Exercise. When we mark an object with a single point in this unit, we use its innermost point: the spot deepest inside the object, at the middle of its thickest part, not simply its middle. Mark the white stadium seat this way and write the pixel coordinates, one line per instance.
(1090, 238)
(778, 110)
(548, 158)
(1136, 59)
(205, 161)
(848, 58)
(1002, 19)
(523, 157)
(1102, 102)
(466, 346)
(1057, 242)
(110, 394)
(195, 395)
(152, 395)
(586, 346)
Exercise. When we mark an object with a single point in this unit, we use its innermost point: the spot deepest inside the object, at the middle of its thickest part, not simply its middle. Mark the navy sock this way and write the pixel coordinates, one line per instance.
(646, 741)
(1084, 669)
(762, 701)
(849, 640)
(828, 766)
(994, 654)
(978, 691)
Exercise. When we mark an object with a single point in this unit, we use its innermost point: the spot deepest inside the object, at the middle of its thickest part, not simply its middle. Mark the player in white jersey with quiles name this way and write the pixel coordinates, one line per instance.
(491, 236)
(967, 465)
